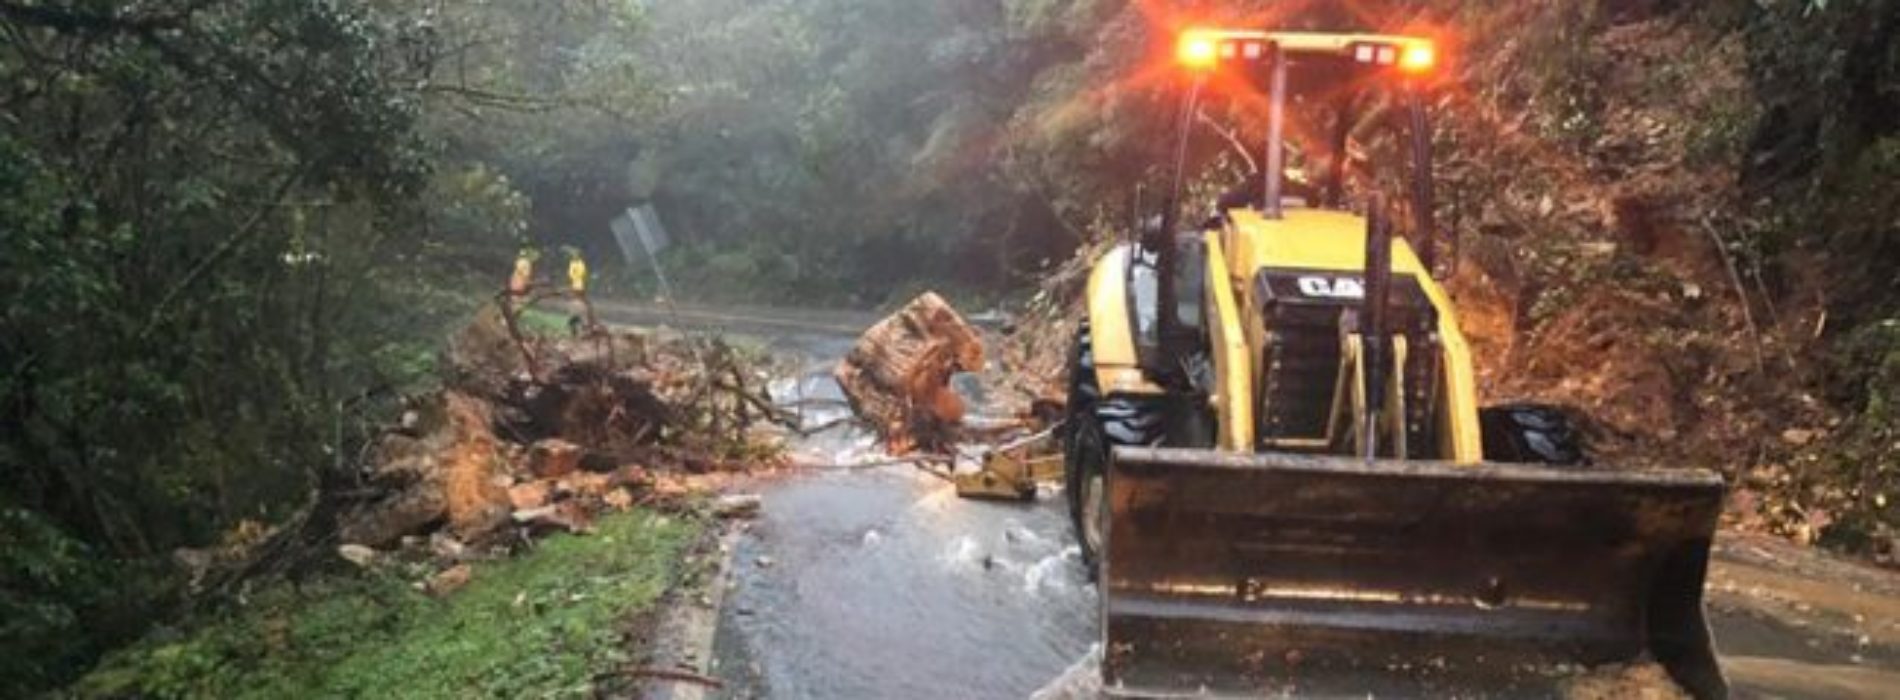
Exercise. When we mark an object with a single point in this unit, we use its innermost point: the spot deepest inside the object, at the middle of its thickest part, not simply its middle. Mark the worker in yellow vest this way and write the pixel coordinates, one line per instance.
(576, 273)
(523, 278)
(521, 282)
(577, 285)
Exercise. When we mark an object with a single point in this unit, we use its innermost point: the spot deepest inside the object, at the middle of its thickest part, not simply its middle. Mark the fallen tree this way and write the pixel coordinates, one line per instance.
(528, 434)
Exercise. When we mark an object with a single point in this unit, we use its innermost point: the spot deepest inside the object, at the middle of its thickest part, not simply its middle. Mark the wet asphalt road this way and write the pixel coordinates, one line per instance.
(879, 584)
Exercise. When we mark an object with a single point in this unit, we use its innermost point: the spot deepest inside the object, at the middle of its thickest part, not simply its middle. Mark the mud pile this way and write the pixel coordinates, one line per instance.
(532, 434)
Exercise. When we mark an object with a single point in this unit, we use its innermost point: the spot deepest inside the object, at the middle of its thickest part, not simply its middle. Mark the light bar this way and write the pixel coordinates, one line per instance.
(1202, 50)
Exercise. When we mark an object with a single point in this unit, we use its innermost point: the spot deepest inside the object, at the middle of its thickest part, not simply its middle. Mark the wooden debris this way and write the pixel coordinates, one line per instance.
(474, 503)
(670, 674)
(566, 516)
(583, 485)
(897, 375)
(529, 495)
(553, 457)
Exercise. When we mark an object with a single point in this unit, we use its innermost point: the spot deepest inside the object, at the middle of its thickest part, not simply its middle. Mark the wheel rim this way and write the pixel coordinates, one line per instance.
(1094, 512)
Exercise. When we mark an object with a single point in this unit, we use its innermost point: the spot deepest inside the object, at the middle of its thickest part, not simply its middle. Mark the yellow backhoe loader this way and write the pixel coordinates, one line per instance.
(1277, 464)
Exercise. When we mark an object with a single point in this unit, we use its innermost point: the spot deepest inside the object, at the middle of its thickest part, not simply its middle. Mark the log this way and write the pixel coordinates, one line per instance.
(897, 375)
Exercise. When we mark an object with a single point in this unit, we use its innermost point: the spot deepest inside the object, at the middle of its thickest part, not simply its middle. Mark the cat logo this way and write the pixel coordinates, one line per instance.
(1332, 287)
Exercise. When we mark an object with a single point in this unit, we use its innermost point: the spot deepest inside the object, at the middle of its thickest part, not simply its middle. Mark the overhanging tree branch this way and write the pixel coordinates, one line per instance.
(72, 20)
(218, 254)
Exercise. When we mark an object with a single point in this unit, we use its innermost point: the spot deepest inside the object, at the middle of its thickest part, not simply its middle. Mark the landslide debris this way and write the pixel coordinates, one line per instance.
(1645, 680)
(537, 433)
(527, 435)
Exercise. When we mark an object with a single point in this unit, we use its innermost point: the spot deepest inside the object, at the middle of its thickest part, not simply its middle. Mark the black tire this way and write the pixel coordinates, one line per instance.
(1085, 448)
(1528, 433)
(1094, 425)
(1087, 477)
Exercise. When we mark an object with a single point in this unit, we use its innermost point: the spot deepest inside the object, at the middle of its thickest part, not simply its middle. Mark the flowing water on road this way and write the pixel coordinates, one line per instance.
(880, 583)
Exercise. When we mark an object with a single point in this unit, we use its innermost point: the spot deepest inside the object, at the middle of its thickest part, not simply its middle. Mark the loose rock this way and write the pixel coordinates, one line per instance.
(447, 548)
(1636, 681)
(739, 505)
(1797, 436)
(449, 580)
(553, 457)
(357, 554)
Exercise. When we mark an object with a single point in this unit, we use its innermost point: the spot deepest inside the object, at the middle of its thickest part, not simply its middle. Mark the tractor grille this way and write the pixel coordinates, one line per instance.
(1301, 312)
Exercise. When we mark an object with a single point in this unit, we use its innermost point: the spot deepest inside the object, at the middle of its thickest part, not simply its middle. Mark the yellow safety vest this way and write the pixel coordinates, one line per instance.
(577, 274)
(524, 275)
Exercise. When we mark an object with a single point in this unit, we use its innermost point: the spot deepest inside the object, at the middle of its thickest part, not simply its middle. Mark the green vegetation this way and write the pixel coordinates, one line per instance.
(538, 321)
(850, 151)
(538, 625)
(234, 231)
(1824, 162)
(1862, 468)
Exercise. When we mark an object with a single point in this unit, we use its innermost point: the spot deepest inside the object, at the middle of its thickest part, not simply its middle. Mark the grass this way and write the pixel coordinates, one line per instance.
(536, 626)
(539, 321)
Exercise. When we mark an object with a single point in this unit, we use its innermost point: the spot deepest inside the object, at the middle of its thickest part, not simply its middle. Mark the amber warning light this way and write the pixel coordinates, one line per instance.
(1411, 58)
(1197, 50)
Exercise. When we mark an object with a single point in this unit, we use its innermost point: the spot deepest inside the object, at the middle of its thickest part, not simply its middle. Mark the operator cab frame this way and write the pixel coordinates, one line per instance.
(1344, 70)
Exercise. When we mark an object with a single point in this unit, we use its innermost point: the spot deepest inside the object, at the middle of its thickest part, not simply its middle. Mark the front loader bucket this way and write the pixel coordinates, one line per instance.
(1276, 574)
